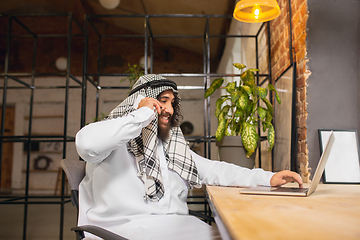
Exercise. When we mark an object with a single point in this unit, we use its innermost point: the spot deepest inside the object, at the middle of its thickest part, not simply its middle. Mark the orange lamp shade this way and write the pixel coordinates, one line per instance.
(253, 11)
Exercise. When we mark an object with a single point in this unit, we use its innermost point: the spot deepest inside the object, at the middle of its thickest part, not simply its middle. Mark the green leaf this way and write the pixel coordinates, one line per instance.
(243, 76)
(248, 77)
(100, 117)
(250, 106)
(253, 107)
(272, 88)
(214, 85)
(224, 112)
(239, 112)
(251, 85)
(267, 122)
(253, 70)
(266, 125)
(268, 117)
(249, 138)
(135, 72)
(251, 77)
(235, 95)
(271, 136)
(239, 66)
(268, 105)
(247, 89)
(227, 130)
(238, 128)
(219, 102)
(262, 92)
(243, 101)
(220, 130)
(233, 128)
(261, 112)
(230, 87)
(277, 97)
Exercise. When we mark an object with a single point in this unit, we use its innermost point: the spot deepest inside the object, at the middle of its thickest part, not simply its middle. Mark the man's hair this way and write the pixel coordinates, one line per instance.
(177, 117)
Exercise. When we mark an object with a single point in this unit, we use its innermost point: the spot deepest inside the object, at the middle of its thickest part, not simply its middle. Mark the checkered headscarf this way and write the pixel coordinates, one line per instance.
(144, 147)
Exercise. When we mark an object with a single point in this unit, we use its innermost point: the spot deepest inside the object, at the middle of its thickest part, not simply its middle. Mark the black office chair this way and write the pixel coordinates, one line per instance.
(75, 172)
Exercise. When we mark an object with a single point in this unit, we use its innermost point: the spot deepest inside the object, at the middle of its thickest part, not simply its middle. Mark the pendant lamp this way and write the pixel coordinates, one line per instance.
(253, 11)
(109, 4)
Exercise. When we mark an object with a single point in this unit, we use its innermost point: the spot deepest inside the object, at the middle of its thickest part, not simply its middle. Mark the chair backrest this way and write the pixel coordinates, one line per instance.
(75, 172)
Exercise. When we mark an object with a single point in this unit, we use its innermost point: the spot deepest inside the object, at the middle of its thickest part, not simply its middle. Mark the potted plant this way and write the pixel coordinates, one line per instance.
(238, 112)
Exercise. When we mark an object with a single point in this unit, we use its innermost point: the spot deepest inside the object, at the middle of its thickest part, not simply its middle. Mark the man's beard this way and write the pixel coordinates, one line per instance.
(164, 129)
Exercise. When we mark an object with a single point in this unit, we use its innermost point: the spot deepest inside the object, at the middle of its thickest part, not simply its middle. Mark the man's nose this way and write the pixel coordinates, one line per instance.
(165, 109)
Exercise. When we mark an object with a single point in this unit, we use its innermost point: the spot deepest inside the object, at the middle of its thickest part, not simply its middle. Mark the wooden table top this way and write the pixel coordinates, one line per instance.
(331, 212)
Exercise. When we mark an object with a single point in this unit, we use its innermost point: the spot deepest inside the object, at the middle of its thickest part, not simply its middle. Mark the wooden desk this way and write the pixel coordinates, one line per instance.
(331, 212)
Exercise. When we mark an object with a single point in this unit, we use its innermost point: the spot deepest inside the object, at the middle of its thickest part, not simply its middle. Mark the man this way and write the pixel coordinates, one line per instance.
(139, 168)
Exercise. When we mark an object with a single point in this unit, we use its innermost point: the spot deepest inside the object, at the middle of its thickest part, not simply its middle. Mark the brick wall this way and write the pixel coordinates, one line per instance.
(280, 60)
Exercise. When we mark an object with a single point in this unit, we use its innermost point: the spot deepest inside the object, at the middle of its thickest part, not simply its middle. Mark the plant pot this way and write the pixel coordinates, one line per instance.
(231, 150)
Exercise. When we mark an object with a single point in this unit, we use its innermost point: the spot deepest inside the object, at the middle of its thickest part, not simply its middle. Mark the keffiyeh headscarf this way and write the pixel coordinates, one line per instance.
(144, 147)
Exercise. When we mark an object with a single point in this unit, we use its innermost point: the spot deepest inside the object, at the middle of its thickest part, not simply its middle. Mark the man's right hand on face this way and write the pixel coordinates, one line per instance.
(151, 103)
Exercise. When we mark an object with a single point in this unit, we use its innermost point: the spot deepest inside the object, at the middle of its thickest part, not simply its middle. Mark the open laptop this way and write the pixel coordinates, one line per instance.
(304, 192)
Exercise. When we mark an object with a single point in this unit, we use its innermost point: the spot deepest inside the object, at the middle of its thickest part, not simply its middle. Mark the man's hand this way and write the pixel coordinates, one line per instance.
(150, 103)
(285, 176)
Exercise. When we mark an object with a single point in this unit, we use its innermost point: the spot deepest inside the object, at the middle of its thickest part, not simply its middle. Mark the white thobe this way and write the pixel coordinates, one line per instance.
(112, 194)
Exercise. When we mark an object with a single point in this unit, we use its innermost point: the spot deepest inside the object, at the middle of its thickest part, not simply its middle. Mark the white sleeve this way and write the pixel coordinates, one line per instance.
(96, 141)
(227, 174)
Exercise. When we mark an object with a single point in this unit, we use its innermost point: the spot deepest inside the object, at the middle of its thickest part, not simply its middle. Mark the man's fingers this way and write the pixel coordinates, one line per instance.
(158, 106)
(292, 176)
(298, 179)
(150, 103)
(286, 176)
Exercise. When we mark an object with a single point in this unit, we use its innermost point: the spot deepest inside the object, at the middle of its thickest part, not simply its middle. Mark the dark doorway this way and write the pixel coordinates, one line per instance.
(7, 157)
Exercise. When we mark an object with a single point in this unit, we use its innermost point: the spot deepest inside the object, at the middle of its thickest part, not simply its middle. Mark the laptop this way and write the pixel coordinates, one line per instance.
(303, 192)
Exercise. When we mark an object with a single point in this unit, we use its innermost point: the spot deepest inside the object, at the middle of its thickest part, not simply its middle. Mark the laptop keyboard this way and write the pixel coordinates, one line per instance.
(286, 189)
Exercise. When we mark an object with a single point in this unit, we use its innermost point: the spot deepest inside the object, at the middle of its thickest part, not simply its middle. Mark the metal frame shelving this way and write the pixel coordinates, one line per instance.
(88, 79)
(148, 40)
(26, 199)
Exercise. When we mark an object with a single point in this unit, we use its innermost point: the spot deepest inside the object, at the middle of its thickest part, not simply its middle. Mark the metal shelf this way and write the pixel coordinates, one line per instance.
(88, 77)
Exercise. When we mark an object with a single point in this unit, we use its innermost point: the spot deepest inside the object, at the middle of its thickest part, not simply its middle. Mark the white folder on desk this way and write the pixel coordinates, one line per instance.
(304, 192)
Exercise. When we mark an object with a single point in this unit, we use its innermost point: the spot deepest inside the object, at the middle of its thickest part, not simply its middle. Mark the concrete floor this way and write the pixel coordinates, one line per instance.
(43, 221)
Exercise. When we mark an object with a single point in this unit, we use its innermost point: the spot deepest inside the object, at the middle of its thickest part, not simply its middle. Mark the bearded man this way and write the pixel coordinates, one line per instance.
(140, 167)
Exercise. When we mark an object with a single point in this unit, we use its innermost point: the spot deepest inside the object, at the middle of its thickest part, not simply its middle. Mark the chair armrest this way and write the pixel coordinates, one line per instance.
(98, 231)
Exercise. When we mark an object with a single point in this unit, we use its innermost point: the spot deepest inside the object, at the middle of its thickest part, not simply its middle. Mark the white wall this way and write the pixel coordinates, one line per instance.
(333, 50)
(48, 113)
